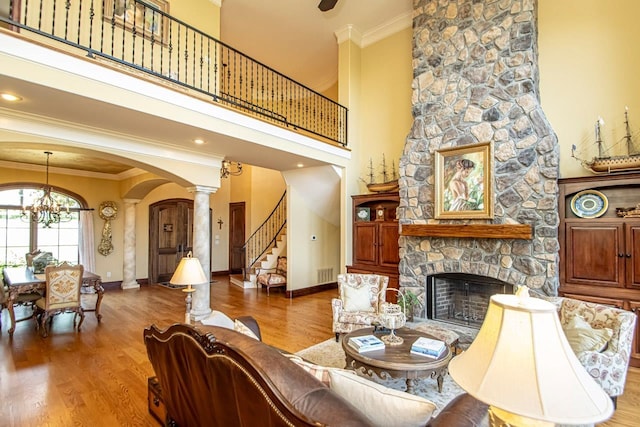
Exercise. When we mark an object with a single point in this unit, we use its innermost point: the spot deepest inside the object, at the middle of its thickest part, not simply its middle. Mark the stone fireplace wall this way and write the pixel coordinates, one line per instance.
(476, 80)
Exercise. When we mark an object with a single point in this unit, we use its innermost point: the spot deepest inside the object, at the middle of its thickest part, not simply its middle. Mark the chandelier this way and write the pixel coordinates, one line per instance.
(45, 209)
(230, 168)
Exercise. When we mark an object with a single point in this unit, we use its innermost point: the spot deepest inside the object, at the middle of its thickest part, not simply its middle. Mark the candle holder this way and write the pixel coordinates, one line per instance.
(392, 318)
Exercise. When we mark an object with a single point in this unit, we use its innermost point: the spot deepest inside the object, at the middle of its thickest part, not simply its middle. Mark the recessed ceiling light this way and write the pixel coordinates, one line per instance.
(300, 165)
(198, 141)
(10, 97)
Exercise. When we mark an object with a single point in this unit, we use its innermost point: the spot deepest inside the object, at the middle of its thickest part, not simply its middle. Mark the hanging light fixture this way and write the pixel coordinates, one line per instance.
(230, 168)
(45, 209)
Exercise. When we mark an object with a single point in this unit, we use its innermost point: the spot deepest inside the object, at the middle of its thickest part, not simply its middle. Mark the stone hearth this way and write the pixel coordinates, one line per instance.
(476, 80)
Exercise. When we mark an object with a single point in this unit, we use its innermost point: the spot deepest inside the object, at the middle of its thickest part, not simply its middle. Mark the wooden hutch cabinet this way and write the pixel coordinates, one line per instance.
(375, 237)
(600, 250)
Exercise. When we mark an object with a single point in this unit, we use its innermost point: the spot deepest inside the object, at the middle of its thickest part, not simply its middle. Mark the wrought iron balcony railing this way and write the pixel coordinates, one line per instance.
(143, 36)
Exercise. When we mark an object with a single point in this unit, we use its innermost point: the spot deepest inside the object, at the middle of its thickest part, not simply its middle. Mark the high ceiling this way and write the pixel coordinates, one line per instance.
(291, 36)
(297, 39)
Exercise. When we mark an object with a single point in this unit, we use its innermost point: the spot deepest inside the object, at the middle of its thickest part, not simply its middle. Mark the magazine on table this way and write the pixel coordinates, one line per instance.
(366, 343)
(428, 347)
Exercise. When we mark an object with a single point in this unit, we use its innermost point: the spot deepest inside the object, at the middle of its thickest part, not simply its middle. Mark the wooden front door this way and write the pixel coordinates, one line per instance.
(236, 237)
(170, 237)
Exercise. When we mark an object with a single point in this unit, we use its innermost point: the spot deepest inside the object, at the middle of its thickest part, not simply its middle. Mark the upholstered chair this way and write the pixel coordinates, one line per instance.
(359, 302)
(607, 365)
(273, 277)
(62, 294)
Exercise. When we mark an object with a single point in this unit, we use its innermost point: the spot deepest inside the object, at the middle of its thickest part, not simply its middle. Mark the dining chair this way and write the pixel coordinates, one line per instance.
(62, 295)
(27, 299)
(28, 257)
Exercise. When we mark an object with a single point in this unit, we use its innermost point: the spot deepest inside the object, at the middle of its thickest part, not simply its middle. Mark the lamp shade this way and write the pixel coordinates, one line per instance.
(188, 272)
(521, 362)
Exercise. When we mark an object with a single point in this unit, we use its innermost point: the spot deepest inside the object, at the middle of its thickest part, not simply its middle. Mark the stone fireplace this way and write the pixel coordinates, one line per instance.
(476, 80)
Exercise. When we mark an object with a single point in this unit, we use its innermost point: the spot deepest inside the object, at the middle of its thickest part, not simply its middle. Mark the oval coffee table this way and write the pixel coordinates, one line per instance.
(396, 361)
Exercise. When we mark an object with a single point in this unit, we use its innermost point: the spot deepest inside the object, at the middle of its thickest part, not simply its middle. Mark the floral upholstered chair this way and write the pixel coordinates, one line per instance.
(62, 294)
(273, 277)
(608, 364)
(359, 303)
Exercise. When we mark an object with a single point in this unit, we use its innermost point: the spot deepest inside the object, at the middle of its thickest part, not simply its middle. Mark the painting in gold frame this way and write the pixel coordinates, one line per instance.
(464, 182)
(148, 22)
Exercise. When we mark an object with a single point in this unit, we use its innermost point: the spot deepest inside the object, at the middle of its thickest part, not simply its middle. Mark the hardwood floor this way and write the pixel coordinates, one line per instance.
(98, 377)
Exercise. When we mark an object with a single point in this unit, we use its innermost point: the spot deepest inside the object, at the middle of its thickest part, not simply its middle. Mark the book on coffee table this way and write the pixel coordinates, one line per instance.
(366, 343)
(428, 347)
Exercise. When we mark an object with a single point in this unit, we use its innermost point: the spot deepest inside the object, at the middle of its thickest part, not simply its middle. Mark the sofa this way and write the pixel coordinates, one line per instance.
(219, 376)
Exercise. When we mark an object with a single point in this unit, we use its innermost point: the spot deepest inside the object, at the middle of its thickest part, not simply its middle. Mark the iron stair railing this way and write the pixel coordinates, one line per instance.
(142, 36)
(266, 236)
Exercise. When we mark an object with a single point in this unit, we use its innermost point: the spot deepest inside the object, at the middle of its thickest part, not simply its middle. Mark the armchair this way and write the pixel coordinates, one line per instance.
(608, 367)
(273, 277)
(359, 303)
(62, 294)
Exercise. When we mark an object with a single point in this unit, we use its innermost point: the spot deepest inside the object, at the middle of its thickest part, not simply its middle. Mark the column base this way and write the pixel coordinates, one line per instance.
(130, 285)
(201, 314)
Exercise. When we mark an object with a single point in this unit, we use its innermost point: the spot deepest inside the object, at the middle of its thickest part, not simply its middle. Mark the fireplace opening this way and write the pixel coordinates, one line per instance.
(460, 298)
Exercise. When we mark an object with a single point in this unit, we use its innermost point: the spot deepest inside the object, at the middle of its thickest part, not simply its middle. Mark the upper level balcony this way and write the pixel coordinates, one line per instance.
(142, 39)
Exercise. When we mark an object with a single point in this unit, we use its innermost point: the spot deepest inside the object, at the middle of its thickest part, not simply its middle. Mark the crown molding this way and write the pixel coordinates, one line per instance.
(349, 33)
(387, 29)
(376, 34)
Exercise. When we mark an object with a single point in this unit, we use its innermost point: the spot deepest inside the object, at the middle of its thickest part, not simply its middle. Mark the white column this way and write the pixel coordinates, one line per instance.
(200, 307)
(129, 263)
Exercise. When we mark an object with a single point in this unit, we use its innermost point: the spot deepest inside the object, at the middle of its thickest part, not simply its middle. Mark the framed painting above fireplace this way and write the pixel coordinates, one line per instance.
(464, 182)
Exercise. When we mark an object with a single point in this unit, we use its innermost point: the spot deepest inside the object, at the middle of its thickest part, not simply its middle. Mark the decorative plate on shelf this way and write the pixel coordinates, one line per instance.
(363, 214)
(589, 204)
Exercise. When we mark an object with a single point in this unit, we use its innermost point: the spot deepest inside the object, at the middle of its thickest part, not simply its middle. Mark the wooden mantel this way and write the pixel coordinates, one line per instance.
(479, 231)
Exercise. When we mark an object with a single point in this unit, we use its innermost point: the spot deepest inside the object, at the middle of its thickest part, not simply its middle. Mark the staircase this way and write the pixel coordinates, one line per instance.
(268, 260)
(264, 246)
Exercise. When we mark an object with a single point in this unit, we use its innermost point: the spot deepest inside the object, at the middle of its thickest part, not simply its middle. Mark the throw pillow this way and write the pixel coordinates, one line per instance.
(357, 299)
(243, 329)
(319, 372)
(582, 337)
(383, 406)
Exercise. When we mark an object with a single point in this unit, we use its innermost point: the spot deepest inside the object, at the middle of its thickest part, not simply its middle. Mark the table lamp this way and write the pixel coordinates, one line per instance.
(522, 366)
(188, 272)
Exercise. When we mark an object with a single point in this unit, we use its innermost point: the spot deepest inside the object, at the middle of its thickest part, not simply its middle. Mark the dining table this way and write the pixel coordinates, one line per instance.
(21, 280)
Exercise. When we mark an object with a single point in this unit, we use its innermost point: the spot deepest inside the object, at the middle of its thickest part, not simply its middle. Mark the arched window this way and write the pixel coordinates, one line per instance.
(20, 235)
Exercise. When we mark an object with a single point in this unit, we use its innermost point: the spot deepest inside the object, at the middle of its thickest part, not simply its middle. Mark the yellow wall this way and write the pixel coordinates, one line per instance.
(86, 188)
(200, 14)
(220, 234)
(589, 67)
(266, 189)
(309, 255)
(386, 102)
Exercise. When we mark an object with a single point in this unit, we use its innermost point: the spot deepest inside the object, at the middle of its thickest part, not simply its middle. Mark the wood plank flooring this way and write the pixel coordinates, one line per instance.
(98, 377)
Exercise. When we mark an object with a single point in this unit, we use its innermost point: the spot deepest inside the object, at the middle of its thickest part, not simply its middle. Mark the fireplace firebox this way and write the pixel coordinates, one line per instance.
(462, 299)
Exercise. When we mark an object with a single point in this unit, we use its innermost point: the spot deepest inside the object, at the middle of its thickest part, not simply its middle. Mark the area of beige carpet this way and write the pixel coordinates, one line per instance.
(329, 353)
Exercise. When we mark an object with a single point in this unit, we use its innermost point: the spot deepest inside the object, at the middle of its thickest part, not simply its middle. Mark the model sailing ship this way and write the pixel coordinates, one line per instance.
(389, 180)
(604, 163)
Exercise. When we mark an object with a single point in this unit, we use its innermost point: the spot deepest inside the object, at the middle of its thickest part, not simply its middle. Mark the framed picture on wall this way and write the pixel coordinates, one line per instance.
(363, 214)
(144, 16)
(464, 182)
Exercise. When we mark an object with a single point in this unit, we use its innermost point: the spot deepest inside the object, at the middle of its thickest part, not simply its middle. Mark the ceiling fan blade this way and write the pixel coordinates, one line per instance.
(327, 5)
